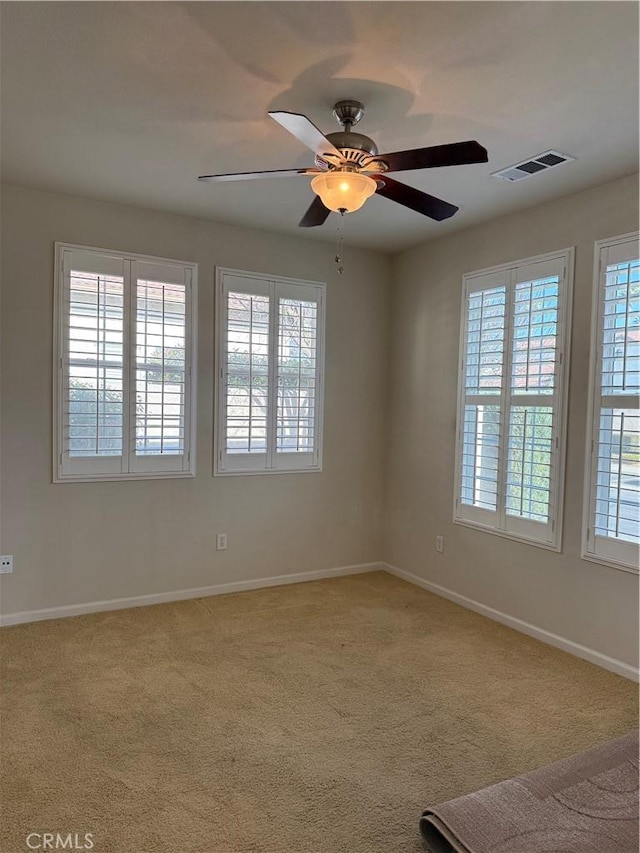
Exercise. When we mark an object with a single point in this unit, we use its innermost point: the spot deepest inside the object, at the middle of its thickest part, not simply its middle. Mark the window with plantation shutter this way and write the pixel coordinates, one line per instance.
(270, 339)
(612, 493)
(511, 408)
(124, 385)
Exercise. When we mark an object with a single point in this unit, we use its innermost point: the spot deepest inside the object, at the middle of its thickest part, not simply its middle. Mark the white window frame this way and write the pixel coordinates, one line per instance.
(128, 466)
(543, 535)
(271, 462)
(608, 552)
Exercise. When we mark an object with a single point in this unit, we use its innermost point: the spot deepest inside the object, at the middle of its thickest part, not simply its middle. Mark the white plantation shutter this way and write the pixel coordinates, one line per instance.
(245, 369)
(124, 347)
(535, 401)
(509, 457)
(91, 363)
(612, 511)
(270, 339)
(297, 376)
(482, 415)
(162, 367)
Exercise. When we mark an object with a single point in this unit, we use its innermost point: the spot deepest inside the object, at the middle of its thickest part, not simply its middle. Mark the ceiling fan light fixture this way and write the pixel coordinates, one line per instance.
(343, 158)
(343, 191)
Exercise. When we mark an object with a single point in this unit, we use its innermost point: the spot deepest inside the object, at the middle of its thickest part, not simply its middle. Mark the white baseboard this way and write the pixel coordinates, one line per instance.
(606, 662)
(182, 594)
(541, 634)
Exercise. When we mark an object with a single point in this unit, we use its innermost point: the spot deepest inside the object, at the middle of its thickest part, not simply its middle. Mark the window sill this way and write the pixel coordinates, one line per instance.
(110, 478)
(315, 470)
(610, 564)
(548, 546)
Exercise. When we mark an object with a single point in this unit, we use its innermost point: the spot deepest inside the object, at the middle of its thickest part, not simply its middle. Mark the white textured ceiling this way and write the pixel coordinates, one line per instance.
(129, 102)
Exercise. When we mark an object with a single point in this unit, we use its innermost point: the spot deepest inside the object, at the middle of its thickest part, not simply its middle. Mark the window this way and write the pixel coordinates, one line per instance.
(125, 383)
(512, 401)
(612, 493)
(270, 335)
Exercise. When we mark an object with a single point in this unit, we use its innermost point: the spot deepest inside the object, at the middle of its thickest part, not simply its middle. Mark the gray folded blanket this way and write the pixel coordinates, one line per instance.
(587, 803)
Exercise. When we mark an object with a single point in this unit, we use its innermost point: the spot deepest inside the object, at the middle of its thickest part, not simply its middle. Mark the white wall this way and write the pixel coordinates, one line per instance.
(74, 542)
(586, 603)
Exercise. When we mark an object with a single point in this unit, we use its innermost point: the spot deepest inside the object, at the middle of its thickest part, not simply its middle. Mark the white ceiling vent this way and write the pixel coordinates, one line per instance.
(539, 163)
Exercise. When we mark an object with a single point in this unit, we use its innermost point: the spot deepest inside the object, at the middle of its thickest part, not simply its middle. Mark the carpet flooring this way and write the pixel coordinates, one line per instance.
(315, 718)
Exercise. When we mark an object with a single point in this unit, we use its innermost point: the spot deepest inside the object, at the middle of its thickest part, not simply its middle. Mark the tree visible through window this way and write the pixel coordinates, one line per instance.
(270, 349)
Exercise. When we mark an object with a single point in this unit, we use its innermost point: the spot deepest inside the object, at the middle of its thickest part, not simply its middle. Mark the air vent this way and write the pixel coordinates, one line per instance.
(540, 163)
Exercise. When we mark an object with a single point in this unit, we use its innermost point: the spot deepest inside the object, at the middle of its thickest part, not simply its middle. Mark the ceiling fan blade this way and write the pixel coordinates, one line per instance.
(305, 130)
(454, 154)
(421, 202)
(248, 176)
(316, 214)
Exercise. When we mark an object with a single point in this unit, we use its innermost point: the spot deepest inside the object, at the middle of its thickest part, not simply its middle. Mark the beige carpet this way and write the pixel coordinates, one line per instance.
(316, 718)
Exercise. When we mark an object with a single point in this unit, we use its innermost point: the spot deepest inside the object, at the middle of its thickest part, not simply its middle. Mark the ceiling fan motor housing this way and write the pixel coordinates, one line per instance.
(356, 148)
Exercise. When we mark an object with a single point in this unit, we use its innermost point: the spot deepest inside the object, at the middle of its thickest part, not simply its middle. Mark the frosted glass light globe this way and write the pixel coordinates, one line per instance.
(343, 192)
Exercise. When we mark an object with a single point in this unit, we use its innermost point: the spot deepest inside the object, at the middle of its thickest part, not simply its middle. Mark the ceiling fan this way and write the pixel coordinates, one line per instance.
(348, 169)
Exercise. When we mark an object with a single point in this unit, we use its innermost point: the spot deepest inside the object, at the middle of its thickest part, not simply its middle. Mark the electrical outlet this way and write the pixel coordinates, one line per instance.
(440, 544)
(6, 564)
(221, 542)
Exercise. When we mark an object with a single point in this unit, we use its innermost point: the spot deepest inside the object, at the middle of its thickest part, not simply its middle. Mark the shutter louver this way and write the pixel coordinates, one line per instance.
(483, 359)
(530, 465)
(298, 376)
(297, 326)
(247, 373)
(530, 462)
(480, 456)
(94, 406)
(614, 503)
(617, 514)
(160, 368)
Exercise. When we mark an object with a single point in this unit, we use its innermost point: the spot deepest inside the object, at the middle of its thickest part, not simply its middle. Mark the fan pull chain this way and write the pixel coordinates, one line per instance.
(339, 247)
